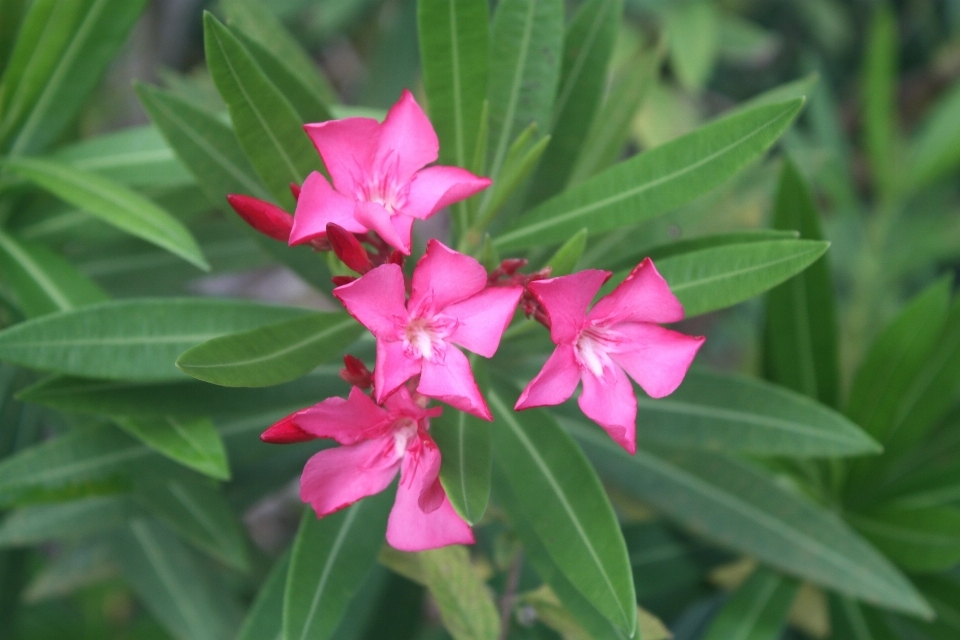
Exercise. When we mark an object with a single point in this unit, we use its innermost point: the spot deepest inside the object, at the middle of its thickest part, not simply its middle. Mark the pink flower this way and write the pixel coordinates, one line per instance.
(449, 305)
(376, 443)
(379, 180)
(618, 335)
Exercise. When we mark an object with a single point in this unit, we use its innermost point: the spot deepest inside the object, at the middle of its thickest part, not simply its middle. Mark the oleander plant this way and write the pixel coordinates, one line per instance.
(481, 320)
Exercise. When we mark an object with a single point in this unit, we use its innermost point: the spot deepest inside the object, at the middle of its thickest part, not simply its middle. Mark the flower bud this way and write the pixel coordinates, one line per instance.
(268, 219)
(356, 373)
(339, 281)
(348, 248)
(295, 190)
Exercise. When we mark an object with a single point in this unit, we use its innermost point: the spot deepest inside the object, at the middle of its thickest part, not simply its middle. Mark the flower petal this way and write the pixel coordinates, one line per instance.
(336, 478)
(347, 421)
(394, 367)
(437, 187)
(609, 401)
(566, 300)
(318, 206)
(482, 319)
(376, 300)
(347, 147)
(394, 229)
(451, 381)
(442, 277)
(407, 140)
(643, 296)
(555, 383)
(655, 357)
(412, 527)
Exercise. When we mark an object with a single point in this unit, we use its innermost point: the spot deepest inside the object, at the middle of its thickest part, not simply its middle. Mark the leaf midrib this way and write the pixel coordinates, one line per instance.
(27, 263)
(799, 257)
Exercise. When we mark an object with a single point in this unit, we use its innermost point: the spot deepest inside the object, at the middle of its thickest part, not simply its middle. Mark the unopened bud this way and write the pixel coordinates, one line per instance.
(396, 257)
(348, 248)
(356, 373)
(295, 190)
(339, 281)
(268, 219)
(286, 432)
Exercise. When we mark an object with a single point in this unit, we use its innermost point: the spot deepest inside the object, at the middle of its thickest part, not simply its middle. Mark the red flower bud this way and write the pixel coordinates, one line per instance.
(348, 248)
(339, 281)
(286, 432)
(396, 257)
(295, 190)
(268, 219)
(356, 373)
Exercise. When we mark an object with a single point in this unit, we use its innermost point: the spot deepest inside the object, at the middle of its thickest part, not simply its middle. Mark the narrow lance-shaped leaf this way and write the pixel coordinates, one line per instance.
(924, 539)
(757, 610)
(935, 149)
(879, 97)
(112, 203)
(42, 281)
(60, 67)
(722, 276)
(737, 414)
(330, 559)
(587, 47)
(211, 152)
(693, 36)
(271, 354)
(525, 49)
(196, 510)
(193, 442)
(800, 336)
(464, 442)
(174, 584)
(734, 504)
(130, 339)
(65, 521)
(466, 609)
(654, 181)
(268, 127)
(453, 49)
(265, 618)
(565, 502)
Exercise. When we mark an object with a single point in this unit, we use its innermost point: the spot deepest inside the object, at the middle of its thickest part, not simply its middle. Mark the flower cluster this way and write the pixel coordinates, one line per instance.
(380, 186)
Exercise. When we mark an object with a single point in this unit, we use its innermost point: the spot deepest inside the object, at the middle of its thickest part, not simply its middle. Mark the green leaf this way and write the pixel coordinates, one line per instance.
(272, 354)
(757, 610)
(265, 618)
(935, 150)
(59, 68)
(921, 539)
(738, 414)
(693, 36)
(718, 277)
(526, 39)
(269, 129)
(331, 556)
(561, 495)
(944, 594)
(262, 25)
(134, 157)
(182, 399)
(587, 47)
(174, 584)
(802, 88)
(453, 49)
(880, 96)
(565, 259)
(733, 504)
(11, 13)
(608, 131)
(849, 619)
(192, 442)
(520, 162)
(65, 521)
(137, 339)
(464, 442)
(112, 203)
(211, 152)
(42, 281)
(697, 243)
(654, 181)
(195, 509)
(896, 358)
(466, 609)
(800, 336)
(82, 566)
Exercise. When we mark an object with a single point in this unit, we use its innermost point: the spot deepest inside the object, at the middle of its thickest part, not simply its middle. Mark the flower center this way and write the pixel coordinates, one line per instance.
(426, 337)
(381, 186)
(593, 348)
(404, 432)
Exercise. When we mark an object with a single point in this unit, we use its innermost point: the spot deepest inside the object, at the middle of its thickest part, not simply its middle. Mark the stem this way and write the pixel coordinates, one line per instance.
(509, 595)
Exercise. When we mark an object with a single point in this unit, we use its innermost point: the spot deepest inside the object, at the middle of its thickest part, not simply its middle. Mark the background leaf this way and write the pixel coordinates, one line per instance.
(466, 609)
(272, 354)
(757, 610)
(464, 442)
(192, 442)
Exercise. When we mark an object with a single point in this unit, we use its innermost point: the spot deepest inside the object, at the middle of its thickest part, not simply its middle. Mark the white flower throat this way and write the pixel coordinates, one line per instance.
(593, 347)
(426, 337)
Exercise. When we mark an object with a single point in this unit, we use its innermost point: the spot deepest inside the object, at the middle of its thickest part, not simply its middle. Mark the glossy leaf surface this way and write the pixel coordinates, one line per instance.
(464, 442)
